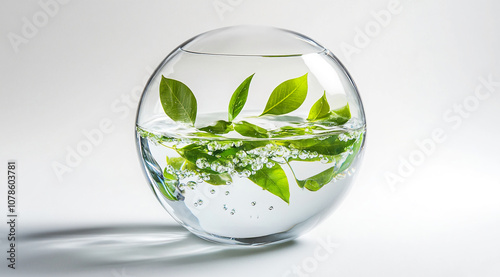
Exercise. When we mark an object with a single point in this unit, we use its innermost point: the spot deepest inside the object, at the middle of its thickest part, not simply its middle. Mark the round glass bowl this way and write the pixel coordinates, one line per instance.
(250, 135)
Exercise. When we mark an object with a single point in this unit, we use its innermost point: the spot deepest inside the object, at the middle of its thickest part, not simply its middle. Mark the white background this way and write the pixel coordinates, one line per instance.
(86, 62)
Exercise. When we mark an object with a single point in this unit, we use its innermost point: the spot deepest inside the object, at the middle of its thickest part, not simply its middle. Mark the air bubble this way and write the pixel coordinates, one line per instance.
(212, 191)
(201, 163)
(195, 204)
(215, 166)
(253, 203)
(269, 165)
(200, 202)
(246, 173)
(224, 207)
(227, 192)
(271, 208)
(241, 154)
(256, 167)
(232, 212)
(303, 155)
(324, 160)
(191, 185)
(212, 146)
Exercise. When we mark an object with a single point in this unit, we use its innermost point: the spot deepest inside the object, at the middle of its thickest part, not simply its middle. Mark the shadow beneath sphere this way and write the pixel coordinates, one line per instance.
(85, 249)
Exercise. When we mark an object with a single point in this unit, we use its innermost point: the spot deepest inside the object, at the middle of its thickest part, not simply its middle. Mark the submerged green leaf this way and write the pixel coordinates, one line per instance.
(355, 149)
(339, 116)
(214, 178)
(239, 98)
(248, 129)
(287, 97)
(220, 127)
(320, 109)
(329, 146)
(205, 135)
(317, 181)
(219, 179)
(273, 180)
(167, 188)
(178, 101)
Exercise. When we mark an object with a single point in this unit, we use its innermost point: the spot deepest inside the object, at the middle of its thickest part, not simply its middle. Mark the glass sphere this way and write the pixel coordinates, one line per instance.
(250, 135)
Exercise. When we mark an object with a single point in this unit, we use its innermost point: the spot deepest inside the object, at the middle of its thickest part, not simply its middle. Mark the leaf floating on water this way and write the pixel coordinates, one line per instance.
(248, 129)
(220, 127)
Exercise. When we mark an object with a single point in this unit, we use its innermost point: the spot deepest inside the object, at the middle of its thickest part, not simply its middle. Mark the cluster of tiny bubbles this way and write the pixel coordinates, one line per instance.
(246, 163)
(198, 203)
(214, 145)
(245, 173)
(233, 211)
(349, 135)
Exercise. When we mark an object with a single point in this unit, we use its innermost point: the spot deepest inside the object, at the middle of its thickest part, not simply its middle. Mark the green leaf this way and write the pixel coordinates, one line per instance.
(273, 180)
(178, 101)
(219, 179)
(288, 131)
(176, 162)
(180, 163)
(239, 98)
(317, 181)
(287, 97)
(167, 188)
(355, 149)
(204, 135)
(220, 127)
(248, 129)
(339, 116)
(320, 109)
